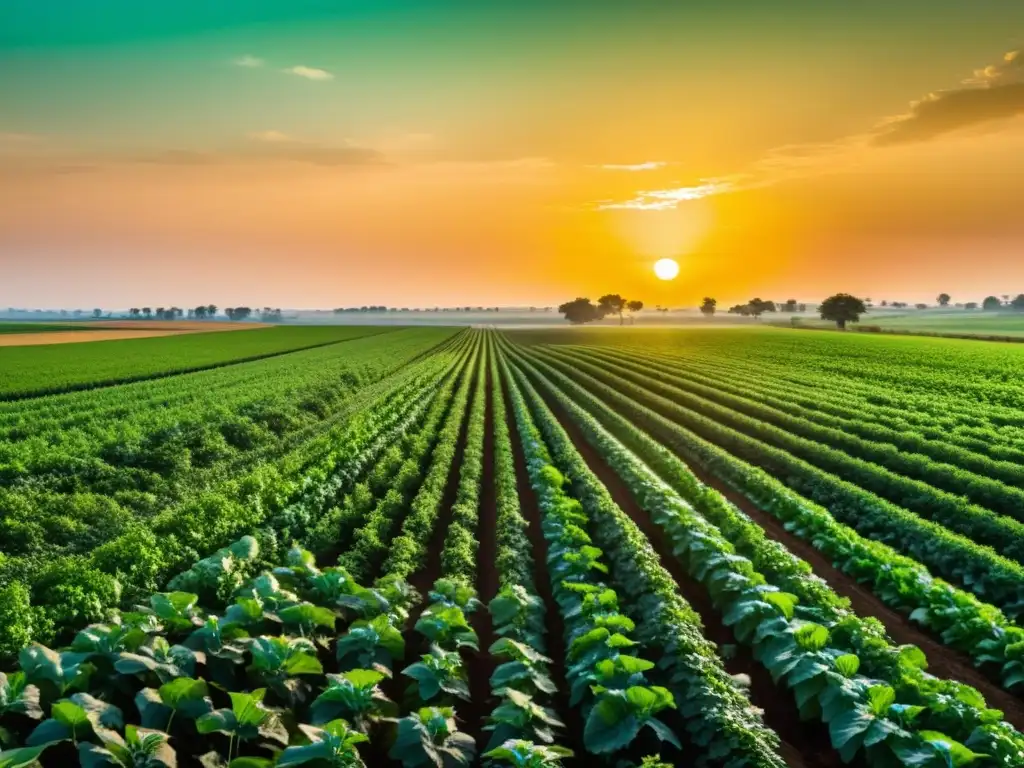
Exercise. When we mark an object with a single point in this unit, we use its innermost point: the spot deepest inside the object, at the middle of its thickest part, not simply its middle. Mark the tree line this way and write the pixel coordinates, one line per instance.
(202, 312)
(582, 310)
(842, 308)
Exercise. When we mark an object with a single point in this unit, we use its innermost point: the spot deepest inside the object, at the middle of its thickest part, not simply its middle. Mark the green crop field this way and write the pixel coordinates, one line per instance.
(959, 322)
(729, 547)
(46, 369)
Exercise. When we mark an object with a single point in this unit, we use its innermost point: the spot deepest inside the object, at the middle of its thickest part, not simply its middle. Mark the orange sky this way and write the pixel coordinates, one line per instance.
(449, 155)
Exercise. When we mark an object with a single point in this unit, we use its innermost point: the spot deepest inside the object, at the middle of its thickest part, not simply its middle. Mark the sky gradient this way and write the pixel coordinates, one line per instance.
(305, 153)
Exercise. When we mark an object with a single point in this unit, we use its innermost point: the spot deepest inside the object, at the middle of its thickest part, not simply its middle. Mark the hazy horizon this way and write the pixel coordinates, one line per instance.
(316, 154)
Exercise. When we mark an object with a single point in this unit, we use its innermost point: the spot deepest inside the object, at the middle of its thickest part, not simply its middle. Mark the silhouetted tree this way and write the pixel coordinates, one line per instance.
(943, 299)
(991, 302)
(211, 310)
(920, 306)
(97, 313)
(1018, 303)
(579, 311)
(841, 309)
(971, 305)
(758, 307)
(148, 312)
(134, 311)
(612, 304)
(707, 307)
(789, 306)
(740, 309)
(634, 306)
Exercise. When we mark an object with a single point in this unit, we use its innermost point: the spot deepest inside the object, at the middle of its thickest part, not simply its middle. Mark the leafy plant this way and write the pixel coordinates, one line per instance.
(451, 592)
(439, 672)
(276, 661)
(159, 657)
(371, 644)
(429, 736)
(74, 719)
(520, 717)
(183, 695)
(618, 716)
(139, 748)
(355, 696)
(448, 628)
(526, 754)
(247, 720)
(333, 745)
(526, 669)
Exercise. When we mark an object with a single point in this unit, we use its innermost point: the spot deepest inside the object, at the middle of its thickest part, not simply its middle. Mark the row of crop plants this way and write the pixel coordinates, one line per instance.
(958, 559)
(842, 670)
(37, 371)
(959, 619)
(985, 481)
(965, 422)
(955, 513)
(55, 596)
(637, 662)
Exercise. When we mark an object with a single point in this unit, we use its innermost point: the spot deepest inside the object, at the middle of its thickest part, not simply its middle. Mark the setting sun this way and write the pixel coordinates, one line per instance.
(666, 269)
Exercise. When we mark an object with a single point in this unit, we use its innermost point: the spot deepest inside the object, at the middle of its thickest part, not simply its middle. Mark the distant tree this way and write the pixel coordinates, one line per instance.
(634, 306)
(200, 312)
(842, 308)
(580, 310)
(990, 303)
(707, 307)
(789, 306)
(740, 309)
(943, 299)
(885, 303)
(134, 311)
(1006, 298)
(147, 312)
(1018, 303)
(971, 305)
(758, 307)
(612, 304)
(920, 306)
(801, 307)
(97, 313)
(211, 310)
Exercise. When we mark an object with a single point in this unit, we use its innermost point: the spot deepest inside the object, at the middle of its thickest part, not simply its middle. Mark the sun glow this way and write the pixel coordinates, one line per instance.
(666, 269)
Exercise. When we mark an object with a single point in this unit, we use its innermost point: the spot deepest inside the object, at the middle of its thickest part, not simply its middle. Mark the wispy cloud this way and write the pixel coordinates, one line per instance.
(251, 62)
(310, 73)
(650, 165)
(991, 95)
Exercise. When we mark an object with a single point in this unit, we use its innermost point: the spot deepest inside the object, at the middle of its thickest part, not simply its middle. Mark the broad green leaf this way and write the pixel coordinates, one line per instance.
(784, 601)
(848, 664)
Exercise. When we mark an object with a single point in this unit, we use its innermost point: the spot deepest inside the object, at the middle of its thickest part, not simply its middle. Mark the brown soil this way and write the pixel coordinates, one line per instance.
(803, 743)
(72, 337)
(177, 325)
